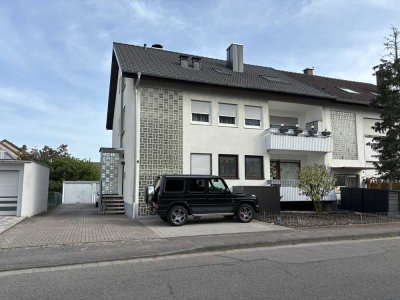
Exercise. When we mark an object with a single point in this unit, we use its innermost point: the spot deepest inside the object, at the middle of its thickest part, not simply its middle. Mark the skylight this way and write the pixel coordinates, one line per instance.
(274, 79)
(348, 90)
(222, 71)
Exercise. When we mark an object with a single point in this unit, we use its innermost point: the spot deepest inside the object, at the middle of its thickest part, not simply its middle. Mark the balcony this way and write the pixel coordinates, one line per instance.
(301, 142)
(290, 192)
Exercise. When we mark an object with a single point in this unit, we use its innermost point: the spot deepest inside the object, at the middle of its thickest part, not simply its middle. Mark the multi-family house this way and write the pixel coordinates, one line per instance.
(171, 112)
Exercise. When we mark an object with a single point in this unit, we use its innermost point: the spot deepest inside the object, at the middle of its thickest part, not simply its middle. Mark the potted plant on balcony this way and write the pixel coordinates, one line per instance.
(283, 129)
(326, 133)
(298, 130)
(312, 131)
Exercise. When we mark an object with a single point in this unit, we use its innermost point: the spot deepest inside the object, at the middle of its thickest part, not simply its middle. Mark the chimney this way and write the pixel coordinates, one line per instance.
(184, 59)
(308, 71)
(196, 62)
(235, 57)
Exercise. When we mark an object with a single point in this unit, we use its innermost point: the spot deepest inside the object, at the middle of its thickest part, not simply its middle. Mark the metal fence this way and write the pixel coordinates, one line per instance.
(54, 200)
(341, 218)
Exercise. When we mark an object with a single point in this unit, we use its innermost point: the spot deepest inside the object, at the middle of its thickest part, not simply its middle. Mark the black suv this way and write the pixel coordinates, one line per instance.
(175, 197)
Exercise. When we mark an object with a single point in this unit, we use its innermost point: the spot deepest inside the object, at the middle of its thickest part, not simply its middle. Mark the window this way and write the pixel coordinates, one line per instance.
(200, 164)
(348, 90)
(227, 114)
(274, 79)
(347, 180)
(223, 72)
(254, 167)
(284, 170)
(228, 166)
(174, 185)
(253, 116)
(276, 121)
(216, 185)
(197, 185)
(201, 111)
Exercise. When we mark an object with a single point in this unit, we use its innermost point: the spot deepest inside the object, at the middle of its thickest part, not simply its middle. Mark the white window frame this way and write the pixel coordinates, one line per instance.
(219, 115)
(209, 114)
(261, 118)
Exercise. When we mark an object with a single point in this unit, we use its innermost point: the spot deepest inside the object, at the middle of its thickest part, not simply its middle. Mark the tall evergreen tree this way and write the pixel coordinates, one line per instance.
(388, 101)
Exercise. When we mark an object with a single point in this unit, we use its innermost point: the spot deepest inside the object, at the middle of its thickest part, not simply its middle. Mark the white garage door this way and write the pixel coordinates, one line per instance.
(8, 192)
(78, 193)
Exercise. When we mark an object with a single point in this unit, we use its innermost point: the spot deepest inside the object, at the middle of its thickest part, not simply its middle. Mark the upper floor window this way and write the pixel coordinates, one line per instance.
(253, 116)
(201, 112)
(227, 114)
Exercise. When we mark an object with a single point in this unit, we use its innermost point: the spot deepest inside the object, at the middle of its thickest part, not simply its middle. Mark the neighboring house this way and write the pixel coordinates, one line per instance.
(23, 184)
(9, 151)
(175, 113)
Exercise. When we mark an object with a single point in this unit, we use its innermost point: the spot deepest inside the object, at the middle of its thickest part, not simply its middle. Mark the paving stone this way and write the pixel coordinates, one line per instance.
(73, 225)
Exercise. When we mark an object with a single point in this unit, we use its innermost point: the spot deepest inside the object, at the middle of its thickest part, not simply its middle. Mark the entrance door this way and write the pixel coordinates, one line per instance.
(8, 192)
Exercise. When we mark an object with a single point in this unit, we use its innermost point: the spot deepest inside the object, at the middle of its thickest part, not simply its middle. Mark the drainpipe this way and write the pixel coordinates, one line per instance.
(135, 207)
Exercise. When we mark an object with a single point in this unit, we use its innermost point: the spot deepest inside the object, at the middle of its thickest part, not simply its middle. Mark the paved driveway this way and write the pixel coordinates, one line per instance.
(79, 224)
(73, 224)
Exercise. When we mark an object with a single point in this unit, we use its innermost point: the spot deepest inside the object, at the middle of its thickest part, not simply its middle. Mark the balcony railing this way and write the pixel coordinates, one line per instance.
(301, 142)
(290, 192)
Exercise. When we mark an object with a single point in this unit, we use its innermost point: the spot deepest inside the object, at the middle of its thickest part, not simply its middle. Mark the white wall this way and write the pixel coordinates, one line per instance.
(129, 146)
(35, 189)
(216, 139)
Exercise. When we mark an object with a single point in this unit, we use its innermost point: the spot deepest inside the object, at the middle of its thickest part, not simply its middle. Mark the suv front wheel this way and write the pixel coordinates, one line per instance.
(177, 215)
(245, 213)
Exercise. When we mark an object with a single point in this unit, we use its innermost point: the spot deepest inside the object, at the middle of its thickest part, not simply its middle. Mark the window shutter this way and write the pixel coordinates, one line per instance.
(253, 112)
(227, 110)
(201, 107)
(200, 164)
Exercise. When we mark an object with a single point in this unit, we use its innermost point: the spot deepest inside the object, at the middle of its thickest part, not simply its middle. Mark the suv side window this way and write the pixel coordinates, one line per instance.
(174, 185)
(197, 185)
(216, 185)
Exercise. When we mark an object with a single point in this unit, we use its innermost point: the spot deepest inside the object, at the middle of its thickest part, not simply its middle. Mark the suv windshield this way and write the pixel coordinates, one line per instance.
(216, 186)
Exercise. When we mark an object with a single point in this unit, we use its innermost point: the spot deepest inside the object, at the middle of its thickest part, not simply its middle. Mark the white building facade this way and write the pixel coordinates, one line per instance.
(167, 125)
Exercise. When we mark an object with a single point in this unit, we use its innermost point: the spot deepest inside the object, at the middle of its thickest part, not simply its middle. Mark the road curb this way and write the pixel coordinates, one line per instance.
(212, 248)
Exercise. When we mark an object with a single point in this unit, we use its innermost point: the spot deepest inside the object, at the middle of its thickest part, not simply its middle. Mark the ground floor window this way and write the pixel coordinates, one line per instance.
(347, 180)
(284, 170)
(254, 167)
(228, 166)
(200, 164)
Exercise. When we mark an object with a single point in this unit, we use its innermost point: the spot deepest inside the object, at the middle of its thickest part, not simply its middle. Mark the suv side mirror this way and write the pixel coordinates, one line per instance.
(149, 194)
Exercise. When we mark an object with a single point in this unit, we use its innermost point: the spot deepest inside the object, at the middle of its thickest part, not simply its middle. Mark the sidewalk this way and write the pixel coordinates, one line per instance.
(21, 258)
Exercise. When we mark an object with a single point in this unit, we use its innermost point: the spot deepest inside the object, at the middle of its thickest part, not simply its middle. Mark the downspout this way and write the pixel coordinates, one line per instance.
(137, 145)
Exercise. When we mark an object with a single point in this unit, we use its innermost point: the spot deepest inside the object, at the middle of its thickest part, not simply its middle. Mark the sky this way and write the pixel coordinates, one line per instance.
(55, 56)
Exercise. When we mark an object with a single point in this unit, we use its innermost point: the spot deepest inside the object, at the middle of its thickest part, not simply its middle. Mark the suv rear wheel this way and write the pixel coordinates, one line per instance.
(177, 215)
(245, 213)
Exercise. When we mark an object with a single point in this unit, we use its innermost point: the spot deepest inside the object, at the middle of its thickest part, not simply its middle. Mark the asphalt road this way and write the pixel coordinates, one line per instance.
(337, 270)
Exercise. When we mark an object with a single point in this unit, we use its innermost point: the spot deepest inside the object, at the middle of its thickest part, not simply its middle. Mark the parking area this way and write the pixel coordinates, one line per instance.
(207, 226)
(79, 224)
